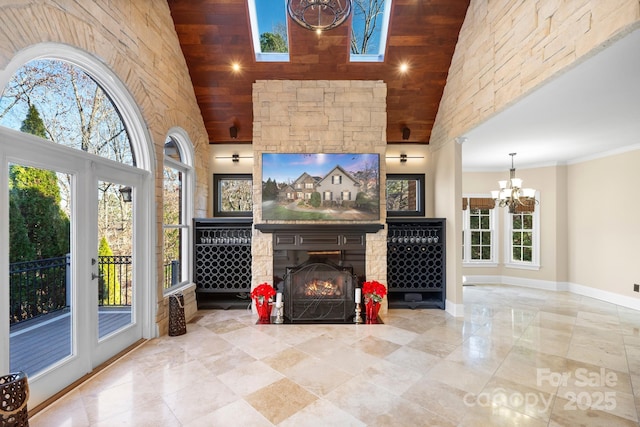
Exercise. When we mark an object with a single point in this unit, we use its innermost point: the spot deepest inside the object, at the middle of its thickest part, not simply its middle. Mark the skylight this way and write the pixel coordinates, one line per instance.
(269, 30)
(369, 29)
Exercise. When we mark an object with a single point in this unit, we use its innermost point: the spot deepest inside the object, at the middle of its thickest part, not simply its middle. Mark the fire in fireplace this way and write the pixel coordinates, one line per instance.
(319, 290)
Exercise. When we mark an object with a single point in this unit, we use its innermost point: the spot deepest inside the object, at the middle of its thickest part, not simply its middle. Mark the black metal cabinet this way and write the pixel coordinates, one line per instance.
(222, 262)
(416, 263)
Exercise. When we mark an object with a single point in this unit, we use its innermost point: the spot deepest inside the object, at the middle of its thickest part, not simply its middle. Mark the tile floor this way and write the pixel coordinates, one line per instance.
(519, 357)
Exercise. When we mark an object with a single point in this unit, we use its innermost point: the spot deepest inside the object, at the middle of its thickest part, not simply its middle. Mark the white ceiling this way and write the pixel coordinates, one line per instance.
(589, 111)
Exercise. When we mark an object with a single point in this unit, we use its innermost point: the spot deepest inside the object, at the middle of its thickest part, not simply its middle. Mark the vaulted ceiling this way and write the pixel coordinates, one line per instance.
(215, 33)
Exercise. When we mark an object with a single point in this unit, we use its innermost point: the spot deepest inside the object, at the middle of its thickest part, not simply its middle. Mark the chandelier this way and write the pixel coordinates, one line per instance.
(319, 15)
(511, 193)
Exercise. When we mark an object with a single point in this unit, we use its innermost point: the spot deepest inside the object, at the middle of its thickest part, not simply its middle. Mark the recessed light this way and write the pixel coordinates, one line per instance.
(404, 67)
(235, 67)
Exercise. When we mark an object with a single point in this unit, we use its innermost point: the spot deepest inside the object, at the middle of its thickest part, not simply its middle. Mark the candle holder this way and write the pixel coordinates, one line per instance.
(358, 319)
(279, 316)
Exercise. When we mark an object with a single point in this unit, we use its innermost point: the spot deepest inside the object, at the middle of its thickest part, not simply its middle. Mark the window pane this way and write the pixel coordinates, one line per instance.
(486, 252)
(517, 238)
(475, 252)
(526, 238)
(474, 222)
(526, 254)
(172, 208)
(528, 221)
(475, 238)
(172, 256)
(71, 109)
(484, 222)
(40, 262)
(486, 238)
(517, 221)
(370, 23)
(517, 253)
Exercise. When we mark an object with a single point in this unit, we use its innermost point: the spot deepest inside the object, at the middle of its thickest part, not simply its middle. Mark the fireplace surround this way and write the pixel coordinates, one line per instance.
(318, 267)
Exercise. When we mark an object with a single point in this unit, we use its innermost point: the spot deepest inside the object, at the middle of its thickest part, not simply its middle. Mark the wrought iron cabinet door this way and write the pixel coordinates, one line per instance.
(416, 256)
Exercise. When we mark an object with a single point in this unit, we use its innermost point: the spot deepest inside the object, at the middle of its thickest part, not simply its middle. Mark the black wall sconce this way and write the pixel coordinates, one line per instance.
(233, 132)
(126, 194)
(404, 157)
(406, 133)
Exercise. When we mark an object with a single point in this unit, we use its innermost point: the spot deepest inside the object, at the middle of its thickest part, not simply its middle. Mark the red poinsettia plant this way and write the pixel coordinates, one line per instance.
(263, 292)
(374, 290)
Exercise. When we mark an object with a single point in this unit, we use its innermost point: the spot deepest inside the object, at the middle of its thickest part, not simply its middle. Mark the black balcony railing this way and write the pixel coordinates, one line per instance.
(42, 286)
(114, 281)
(37, 288)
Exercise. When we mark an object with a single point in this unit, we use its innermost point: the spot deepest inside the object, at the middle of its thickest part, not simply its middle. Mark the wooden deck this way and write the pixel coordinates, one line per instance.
(36, 344)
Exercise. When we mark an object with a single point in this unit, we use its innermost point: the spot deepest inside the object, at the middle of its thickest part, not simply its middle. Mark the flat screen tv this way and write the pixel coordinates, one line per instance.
(320, 187)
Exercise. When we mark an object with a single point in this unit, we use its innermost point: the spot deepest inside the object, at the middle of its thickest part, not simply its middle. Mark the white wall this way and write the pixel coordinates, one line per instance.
(589, 225)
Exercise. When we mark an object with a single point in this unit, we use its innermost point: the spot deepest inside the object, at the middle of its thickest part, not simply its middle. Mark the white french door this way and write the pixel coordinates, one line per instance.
(101, 313)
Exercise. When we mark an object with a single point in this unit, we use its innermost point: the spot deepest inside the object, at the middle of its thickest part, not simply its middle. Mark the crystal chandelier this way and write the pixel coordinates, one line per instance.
(511, 193)
(319, 15)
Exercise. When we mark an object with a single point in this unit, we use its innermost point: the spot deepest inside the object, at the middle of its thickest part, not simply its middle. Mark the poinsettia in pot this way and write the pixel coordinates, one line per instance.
(262, 295)
(374, 292)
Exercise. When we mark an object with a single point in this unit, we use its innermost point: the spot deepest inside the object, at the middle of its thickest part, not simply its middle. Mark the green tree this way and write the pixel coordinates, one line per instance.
(269, 190)
(274, 43)
(315, 199)
(36, 196)
(20, 248)
(109, 285)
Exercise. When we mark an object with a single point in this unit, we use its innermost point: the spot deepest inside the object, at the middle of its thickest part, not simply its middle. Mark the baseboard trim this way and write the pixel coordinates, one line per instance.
(574, 288)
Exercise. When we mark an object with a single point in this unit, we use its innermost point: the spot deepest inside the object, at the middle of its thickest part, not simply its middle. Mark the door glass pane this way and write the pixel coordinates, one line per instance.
(40, 265)
(115, 261)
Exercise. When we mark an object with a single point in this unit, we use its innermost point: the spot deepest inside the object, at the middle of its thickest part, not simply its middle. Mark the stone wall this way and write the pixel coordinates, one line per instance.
(138, 42)
(508, 48)
(318, 117)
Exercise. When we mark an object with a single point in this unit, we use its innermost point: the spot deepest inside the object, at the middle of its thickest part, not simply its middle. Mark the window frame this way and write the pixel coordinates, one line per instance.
(535, 241)
(420, 194)
(187, 206)
(466, 236)
(217, 194)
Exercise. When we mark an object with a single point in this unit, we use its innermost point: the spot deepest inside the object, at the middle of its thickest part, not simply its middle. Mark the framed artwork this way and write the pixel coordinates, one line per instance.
(321, 187)
(405, 195)
(232, 195)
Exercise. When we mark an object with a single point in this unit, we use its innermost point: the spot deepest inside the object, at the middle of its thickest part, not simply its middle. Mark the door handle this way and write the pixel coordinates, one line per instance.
(94, 276)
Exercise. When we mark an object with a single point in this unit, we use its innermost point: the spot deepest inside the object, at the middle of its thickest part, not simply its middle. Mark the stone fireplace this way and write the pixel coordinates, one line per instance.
(319, 117)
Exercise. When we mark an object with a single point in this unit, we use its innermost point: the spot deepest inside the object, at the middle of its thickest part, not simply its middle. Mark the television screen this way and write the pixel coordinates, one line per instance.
(320, 187)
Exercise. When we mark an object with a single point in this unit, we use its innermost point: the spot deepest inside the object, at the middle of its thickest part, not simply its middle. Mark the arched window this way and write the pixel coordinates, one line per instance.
(65, 105)
(177, 210)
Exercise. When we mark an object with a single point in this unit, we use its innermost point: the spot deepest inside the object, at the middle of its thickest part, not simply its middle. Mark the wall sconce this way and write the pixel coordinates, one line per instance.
(406, 133)
(235, 158)
(233, 132)
(403, 157)
(126, 194)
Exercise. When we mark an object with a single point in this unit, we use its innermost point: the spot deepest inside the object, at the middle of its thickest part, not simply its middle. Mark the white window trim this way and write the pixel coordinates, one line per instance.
(535, 253)
(466, 229)
(181, 138)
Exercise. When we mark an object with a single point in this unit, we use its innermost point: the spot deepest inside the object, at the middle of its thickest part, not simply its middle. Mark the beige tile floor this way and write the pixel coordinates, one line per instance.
(519, 357)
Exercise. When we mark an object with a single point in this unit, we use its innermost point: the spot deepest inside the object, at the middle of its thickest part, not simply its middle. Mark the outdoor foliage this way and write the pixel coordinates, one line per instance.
(108, 283)
(35, 207)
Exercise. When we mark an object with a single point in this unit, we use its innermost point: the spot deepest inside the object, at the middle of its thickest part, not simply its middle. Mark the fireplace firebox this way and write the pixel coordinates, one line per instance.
(319, 290)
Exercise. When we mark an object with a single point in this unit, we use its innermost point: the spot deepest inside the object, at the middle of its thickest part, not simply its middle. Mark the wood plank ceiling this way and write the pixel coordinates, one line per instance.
(215, 33)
